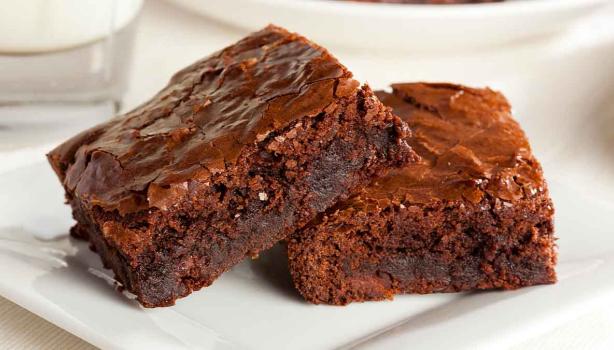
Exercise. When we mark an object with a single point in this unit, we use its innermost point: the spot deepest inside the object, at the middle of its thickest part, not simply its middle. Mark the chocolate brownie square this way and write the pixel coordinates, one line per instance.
(238, 151)
(474, 213)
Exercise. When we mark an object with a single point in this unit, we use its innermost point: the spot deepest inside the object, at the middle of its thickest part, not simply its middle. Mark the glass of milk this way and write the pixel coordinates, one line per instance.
(65, 51)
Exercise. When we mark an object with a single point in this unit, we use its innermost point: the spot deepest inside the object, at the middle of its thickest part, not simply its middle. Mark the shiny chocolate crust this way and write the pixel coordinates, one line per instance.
(201, 122)
(239, 150)
(473, 213)
(472, 149)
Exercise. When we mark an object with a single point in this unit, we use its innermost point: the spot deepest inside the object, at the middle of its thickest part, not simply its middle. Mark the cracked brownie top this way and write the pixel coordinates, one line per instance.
(201, 122)
(469, 144)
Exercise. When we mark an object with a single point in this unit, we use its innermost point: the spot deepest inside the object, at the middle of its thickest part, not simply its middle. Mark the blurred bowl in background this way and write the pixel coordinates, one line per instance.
(402, 26)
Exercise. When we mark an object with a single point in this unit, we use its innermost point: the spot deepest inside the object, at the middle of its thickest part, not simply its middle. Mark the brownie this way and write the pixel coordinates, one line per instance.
(473, 213)
(239, 150)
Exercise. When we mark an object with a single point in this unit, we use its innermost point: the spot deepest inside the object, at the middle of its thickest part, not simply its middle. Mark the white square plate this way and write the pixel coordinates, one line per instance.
(561, 96)
(254, 305)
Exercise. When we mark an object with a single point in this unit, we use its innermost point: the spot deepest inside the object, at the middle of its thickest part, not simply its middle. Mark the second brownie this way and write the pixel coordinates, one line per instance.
(474, 213)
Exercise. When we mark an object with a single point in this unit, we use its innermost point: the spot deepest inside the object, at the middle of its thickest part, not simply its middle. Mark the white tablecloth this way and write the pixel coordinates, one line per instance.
(170, 38)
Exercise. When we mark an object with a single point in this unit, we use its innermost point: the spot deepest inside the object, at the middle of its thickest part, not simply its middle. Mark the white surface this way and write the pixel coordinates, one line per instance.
(561, 90)
(28, 132)
(20, 329)
(30, 26)
(401, 26)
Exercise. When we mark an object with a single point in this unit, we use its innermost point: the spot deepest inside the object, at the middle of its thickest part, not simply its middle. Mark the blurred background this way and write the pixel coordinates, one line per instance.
(68, 64)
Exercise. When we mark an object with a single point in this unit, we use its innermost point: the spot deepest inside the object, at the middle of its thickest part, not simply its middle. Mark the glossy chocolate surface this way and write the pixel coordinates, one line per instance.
(469, 145)
(202, 121)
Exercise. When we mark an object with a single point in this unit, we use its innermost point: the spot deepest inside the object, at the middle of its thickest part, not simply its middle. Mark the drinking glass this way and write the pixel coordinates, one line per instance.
(65, 51)
(64, 67)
